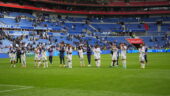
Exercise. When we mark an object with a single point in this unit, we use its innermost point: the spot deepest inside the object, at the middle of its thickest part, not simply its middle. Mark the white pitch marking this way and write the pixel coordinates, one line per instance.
(12, 85)
(23, 87)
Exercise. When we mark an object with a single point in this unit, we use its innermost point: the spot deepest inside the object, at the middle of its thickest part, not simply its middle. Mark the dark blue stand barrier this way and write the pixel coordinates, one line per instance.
(4, 55)
(56, 53)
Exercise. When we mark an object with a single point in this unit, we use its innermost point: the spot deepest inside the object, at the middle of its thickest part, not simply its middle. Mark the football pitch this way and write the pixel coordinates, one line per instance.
(88, 81)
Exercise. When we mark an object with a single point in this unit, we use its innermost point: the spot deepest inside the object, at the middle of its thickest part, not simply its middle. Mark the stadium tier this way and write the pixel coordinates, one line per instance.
(76, 30)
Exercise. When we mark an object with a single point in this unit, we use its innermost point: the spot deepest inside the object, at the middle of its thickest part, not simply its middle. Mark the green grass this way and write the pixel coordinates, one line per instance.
(104, 81)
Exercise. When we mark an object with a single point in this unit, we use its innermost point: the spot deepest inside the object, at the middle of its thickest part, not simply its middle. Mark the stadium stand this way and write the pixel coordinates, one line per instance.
(34, 29)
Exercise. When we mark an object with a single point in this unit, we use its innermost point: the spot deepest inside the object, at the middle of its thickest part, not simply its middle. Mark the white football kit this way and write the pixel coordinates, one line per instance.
(44, 59)
(123, 52)
(81, 53)
(36, 55)
(13, 56)
(142, 54)
(69, 54)
(23, 58)
(97, 52)
(69, 57)
(44, 56)
(115, 53)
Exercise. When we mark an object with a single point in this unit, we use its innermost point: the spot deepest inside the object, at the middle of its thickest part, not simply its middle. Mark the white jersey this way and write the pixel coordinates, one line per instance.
(142, 53)
(97, 52)
(80, 53)
(123, 52)
(115, 53)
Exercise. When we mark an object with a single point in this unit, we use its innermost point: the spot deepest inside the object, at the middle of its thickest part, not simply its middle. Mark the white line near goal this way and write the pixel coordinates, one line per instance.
(21, 88)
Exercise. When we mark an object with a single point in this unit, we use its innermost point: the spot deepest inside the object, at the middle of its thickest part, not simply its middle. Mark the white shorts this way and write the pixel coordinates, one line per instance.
(96, 56)
(13, 58)
(114, 57)
(141, 58)
(36, 57)
(69, 57)
(43, 58)
(23, 59)
(123, 56)
(81, 56)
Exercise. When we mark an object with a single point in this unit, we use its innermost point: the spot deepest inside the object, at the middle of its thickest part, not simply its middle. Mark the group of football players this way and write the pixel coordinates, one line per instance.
(65, 55)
